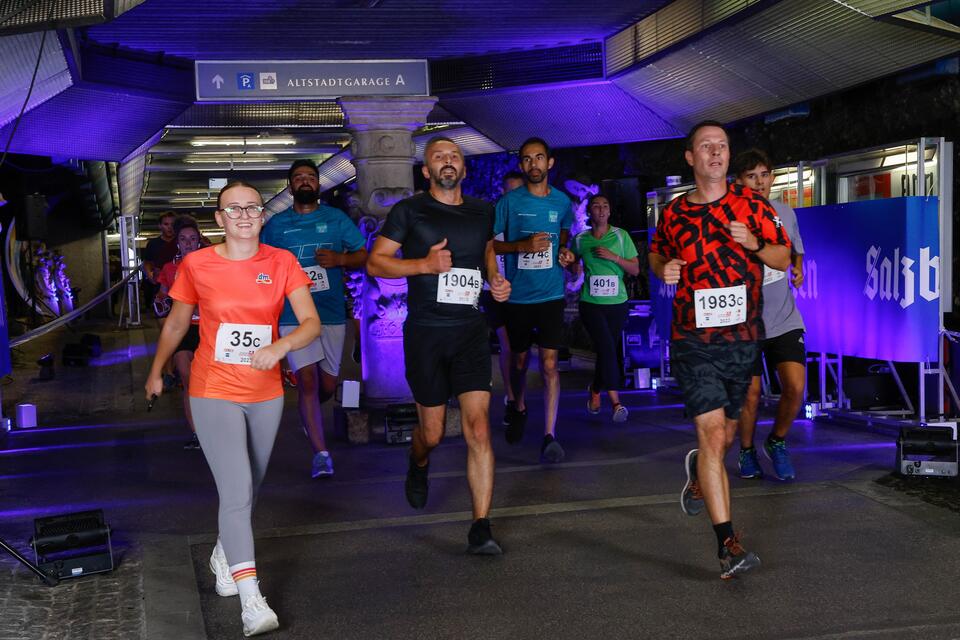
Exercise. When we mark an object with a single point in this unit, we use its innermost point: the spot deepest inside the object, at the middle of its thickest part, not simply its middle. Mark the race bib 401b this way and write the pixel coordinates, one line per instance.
(604, 286)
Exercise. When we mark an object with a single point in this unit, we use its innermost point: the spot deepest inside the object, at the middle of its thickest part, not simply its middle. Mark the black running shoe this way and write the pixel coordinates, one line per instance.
(550, 450)
(734, 559)
(480, 539)
(416, 485)
(509, 408)
(516, 422)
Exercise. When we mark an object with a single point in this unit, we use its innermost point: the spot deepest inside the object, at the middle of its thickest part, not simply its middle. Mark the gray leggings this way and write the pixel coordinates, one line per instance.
(237, 438)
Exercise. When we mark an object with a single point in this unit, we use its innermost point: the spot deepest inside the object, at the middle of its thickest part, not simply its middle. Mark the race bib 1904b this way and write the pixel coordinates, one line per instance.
(459, 286)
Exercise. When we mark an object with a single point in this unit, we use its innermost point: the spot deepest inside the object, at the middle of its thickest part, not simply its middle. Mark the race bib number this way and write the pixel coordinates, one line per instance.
(536, 260)
(772, 275)
(318, 278)
(604, 286)
(237, 342)
(459, 286)
(723, 307)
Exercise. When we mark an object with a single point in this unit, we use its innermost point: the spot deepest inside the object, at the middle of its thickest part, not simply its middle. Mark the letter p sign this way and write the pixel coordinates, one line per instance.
(246, 82)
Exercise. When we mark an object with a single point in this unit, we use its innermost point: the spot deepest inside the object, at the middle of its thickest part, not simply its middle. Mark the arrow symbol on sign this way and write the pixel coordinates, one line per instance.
(218, 80)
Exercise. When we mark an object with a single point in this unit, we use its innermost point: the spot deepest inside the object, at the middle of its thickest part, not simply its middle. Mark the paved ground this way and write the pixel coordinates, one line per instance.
(595, 547)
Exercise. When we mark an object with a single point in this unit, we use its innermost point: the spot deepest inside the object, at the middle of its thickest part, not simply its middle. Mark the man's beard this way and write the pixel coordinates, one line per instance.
(536, 179)
(305, 195)
(446, 183)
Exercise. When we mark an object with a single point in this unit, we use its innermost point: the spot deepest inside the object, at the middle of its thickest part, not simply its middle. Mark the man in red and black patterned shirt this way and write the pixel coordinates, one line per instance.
(712, 243)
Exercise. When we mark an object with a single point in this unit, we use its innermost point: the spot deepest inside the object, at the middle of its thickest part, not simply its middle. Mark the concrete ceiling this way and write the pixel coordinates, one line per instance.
(503, 70)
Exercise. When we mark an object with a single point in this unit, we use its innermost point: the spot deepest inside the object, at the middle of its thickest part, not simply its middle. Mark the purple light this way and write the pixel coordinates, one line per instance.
(85, 427)
(87, 445)
(39, 512)
(123, 356)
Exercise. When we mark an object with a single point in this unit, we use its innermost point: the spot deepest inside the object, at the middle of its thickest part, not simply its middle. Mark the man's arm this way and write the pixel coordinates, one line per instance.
(499, 286)
(666, 270)
(775, 256)
(797, 270)
(530, 244)
(384, 263)
(328, 258)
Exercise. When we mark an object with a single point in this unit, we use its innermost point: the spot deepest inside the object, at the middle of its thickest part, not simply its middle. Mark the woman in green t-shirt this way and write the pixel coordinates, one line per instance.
(607, 253)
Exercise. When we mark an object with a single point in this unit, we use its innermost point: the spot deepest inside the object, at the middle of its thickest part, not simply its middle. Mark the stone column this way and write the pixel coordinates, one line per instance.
(383, 154)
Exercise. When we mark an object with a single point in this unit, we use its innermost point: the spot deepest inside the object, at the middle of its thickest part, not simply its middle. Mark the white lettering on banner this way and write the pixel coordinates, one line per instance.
(884, 276)
(808, 289)
(349, 81)
(720, 307)
(459, 286)
(236, 343)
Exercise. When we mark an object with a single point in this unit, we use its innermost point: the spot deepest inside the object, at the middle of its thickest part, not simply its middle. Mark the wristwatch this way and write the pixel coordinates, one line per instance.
(761, 243)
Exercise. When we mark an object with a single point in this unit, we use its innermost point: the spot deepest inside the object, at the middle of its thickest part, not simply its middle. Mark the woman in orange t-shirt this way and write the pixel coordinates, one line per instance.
(236, 396)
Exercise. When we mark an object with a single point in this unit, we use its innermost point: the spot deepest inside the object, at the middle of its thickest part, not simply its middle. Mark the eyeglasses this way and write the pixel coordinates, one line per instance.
(252, 211)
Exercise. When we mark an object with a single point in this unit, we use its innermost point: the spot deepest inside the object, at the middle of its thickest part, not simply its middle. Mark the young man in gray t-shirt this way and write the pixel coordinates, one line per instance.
(783, 344)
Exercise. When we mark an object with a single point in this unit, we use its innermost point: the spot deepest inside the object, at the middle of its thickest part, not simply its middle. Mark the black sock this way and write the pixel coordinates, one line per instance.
(774, 439)
(724, 532)
(743, 448)
(547, 439)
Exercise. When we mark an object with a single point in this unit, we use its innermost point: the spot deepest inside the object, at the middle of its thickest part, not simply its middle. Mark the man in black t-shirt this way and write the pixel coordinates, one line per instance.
(446, 240)
(159, 251)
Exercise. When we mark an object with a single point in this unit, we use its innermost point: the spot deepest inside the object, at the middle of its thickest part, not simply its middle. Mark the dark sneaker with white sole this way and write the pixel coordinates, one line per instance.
(416, 486)
(480, 539)
(735, 560)
(691, 500)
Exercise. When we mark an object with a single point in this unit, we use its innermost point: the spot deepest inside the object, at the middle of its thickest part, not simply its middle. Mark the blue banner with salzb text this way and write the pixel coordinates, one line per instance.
(872, 278)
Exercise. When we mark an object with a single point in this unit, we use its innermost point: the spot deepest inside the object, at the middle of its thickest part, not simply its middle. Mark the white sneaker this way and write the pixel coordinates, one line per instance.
(257, 616)
(226, 587)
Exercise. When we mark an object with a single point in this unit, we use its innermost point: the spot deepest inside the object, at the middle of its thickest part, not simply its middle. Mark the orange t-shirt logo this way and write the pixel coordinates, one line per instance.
(264, 278)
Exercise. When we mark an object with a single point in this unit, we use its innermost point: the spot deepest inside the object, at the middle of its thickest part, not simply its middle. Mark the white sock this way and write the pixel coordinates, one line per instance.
(245, 575)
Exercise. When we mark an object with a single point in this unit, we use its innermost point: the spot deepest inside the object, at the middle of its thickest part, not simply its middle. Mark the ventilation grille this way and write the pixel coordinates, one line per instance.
(482, 73)
(21, 16)
(674, 23)
(270, 114)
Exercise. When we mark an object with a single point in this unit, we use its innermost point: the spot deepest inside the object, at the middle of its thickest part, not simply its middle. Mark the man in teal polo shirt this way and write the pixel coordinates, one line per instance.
(325, 242)
(535, 222)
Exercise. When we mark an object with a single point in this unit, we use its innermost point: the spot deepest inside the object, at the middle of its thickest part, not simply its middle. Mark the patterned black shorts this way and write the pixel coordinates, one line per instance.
(712, 376)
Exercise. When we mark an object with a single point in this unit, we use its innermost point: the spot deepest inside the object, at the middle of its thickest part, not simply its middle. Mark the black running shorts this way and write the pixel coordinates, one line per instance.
(788, 347)
(541, 322)
(493, 311)
(713, 376)
(442, 362)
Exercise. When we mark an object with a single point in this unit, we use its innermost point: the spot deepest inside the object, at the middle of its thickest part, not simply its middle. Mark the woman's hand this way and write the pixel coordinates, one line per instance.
(154, 386)
(268, 357)
(606, 254)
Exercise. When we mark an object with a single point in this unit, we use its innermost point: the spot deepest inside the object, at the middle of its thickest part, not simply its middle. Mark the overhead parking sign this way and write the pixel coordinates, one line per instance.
(241, 80)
